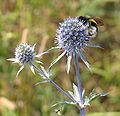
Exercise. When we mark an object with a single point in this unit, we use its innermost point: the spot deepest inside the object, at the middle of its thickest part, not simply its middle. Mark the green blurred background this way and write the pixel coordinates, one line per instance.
(36, 21)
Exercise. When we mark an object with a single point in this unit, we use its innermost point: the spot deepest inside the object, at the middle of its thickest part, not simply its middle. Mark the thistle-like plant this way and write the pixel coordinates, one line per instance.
(72, 36)
(25, 54)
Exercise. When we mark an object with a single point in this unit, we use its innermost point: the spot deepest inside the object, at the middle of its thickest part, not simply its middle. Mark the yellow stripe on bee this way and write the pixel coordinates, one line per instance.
(92, 20)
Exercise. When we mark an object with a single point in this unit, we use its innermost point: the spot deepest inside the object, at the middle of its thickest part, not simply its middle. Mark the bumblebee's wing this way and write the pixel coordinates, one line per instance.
(99, 21)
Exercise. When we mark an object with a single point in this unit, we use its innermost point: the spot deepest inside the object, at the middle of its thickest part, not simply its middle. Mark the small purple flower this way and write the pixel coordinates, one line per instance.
(25, 54)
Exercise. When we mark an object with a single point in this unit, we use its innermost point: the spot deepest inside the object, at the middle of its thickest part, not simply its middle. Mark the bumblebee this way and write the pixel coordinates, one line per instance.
(93, 22)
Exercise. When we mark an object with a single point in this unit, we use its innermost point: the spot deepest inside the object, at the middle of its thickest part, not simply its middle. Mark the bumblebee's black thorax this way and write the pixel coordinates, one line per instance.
(86, 19)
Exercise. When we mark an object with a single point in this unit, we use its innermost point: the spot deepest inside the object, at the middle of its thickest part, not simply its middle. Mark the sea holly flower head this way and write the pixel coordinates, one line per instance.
(25, 54)
(72, 36)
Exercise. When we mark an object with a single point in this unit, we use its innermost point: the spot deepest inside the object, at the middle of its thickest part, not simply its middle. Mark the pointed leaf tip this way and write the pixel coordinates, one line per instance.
(33, 47)
(68, 64)
(83, 58)
(42, 82)
(39, 55)
(21, 68)
(57, 59)
(12, 59)
(32, 69)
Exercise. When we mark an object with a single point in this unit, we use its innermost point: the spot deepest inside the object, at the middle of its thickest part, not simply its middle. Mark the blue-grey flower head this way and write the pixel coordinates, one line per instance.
(73, 35)
(24, 53)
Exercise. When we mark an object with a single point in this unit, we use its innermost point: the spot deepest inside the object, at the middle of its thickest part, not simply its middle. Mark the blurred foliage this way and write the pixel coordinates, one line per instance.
(41, 18)
(105, 114)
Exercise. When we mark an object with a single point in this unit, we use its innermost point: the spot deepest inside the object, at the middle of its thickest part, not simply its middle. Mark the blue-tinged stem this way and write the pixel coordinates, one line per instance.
(82, 110)
(54, 84)
(61, 90)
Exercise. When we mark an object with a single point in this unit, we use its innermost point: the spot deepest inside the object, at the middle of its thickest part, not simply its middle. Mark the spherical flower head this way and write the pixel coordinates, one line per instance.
(73, 34)
(24, 53)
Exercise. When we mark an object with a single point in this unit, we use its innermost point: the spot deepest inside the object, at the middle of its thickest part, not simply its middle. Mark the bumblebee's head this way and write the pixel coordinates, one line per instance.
(88, 19)
(93, 22)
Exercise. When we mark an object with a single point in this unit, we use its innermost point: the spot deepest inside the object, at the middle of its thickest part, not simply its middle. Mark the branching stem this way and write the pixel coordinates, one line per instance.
(54, 84)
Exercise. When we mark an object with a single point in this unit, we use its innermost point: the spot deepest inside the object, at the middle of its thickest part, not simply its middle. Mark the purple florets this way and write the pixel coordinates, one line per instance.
(72, 35)
(24, 53)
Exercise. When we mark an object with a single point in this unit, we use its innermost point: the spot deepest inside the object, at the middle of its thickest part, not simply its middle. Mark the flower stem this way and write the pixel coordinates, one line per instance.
(61, 90)
(82, 110)
(54, 84)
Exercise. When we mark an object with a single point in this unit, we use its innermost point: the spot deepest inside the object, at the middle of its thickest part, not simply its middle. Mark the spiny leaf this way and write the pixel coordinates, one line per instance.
(68, 63)
(76, 92)
(41, 82)
(57, 59)
(53, 48)
(83, 58)
(93, 95)
(62, 103)
(94, 46)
